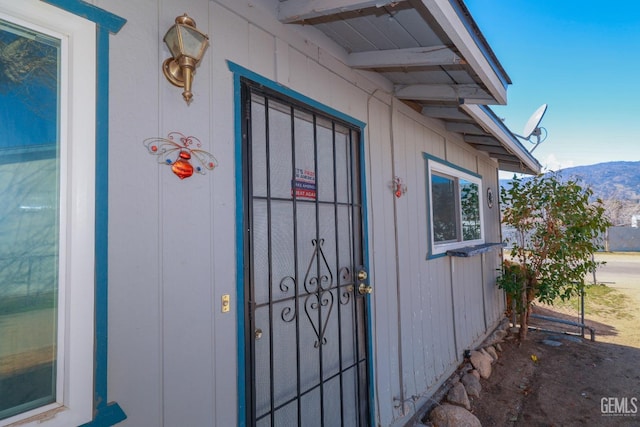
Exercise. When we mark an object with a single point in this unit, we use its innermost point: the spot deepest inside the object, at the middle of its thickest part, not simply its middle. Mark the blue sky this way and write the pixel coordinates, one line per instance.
(582, 58)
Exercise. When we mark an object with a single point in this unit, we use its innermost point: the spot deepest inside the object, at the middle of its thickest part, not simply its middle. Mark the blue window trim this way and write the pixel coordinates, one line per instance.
(430, 158)
(451, 165)
(240, 72)
(105, 413)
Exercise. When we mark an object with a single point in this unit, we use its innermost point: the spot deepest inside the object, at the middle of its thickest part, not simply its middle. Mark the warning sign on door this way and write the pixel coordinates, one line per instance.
(304, 184)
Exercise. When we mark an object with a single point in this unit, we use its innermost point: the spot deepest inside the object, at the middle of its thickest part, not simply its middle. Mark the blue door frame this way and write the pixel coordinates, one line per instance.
(240, 73)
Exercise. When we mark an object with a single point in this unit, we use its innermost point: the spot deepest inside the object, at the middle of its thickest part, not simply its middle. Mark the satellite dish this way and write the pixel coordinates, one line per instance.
(532, 128)
(534, 121)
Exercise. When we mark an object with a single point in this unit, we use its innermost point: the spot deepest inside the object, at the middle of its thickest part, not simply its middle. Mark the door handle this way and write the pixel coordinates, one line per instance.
(365, 289)
(362, 275)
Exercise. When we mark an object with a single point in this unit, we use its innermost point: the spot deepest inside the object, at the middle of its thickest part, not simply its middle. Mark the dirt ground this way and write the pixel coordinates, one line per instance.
(579, 383)
(564, 387)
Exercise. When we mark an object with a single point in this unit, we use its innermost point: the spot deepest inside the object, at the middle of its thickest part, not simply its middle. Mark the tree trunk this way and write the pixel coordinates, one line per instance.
(528, 296)
(524, 315)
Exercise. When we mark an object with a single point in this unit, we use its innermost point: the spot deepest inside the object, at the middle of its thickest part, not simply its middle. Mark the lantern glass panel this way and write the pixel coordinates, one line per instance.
(173, 42)
(193, 42)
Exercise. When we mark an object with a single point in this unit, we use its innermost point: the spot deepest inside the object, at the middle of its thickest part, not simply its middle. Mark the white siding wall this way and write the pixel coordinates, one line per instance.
(383, 260)
(446, 303)
(172, 254)
(164, 255)
(494, 298)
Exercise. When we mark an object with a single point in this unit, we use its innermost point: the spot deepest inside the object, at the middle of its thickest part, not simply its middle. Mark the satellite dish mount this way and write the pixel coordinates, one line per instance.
(532, 128)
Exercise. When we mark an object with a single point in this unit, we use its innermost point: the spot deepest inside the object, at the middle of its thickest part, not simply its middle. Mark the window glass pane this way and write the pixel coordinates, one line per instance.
(443, 197)
(470, 210)
(29, 219)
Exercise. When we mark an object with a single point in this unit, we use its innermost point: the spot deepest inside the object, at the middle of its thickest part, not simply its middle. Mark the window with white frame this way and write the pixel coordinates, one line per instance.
(47, 227)
(454, 197)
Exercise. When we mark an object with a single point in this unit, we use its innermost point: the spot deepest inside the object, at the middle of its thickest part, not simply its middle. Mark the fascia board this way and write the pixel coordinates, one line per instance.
(482, 116)
(447, 14)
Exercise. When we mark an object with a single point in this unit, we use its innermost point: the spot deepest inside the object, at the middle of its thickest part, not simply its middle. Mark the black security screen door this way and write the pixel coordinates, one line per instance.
(307, 362)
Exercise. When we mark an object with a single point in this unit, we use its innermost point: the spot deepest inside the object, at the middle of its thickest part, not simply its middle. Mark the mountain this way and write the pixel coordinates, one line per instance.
(616, 183)
(612, 180)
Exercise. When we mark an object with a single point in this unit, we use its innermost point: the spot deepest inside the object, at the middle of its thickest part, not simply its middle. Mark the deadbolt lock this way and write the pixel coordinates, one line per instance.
(365, 289)
(258, 333)
(362, 275)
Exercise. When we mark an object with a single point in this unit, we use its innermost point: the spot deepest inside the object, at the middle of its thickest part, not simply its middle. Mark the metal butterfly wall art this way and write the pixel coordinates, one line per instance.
(178, 150)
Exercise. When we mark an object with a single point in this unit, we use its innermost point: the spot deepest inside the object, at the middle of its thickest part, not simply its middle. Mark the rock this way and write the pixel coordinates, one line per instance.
(483, 351)
(482, 362)
(453, 416)
(472, 384)
(458, 396)
(466, 368)
(496, 336)
(475, 373)
(498, 347)
(492, 352)
(504, 324)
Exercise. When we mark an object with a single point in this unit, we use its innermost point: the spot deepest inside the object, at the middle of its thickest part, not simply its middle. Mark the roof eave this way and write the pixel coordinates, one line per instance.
(456, 21)
(487, 119)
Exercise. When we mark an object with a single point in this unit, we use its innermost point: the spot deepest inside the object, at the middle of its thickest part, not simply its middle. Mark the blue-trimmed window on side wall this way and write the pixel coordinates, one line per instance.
(47, 176)
(454, 207)
(29, 231)
(53, 180)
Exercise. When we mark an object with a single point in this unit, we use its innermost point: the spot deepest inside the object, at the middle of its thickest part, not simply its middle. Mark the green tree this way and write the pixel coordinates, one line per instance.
(557, 226)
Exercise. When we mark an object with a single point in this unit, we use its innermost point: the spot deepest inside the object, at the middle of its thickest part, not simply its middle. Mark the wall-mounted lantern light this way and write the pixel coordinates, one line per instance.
(187, 45)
